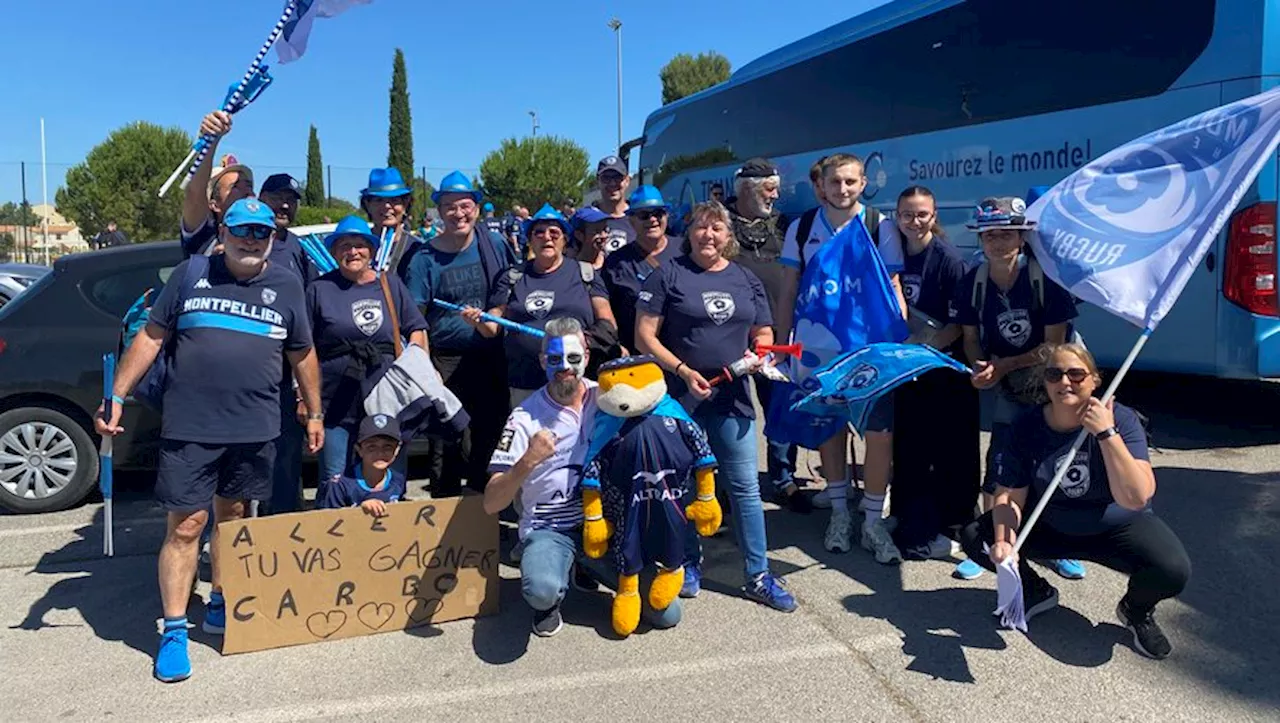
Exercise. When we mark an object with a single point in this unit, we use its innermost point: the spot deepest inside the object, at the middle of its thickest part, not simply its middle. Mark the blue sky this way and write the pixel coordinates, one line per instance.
(474, 73)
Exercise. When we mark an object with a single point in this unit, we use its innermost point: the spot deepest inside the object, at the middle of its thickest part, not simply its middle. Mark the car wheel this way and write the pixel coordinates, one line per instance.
(47, 461)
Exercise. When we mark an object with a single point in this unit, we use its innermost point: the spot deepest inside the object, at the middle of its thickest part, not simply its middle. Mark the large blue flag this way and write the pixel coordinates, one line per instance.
(1126, 231)
(845, 301)
(293, 41)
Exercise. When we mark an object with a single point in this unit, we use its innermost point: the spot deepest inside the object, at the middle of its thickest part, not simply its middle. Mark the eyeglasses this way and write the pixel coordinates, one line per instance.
(258, 232)
(918, 216)
(1053, 375)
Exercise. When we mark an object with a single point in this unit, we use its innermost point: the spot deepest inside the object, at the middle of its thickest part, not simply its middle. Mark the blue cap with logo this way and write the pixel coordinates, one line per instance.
(352, 226)
(456, 182)
(386, 183)
(547, 213)
(378, 425)
(249, 212)
(646, 197)
(586, 215)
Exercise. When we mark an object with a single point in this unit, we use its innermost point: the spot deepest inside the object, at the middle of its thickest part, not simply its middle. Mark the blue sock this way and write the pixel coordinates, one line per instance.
(216, 600)
(175, 623)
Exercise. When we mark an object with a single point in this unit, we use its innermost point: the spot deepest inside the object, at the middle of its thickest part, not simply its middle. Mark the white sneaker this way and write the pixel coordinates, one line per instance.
(876, 539)
(839, 536)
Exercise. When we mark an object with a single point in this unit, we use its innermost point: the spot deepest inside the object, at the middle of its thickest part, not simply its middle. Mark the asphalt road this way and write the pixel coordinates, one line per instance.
(869, 642)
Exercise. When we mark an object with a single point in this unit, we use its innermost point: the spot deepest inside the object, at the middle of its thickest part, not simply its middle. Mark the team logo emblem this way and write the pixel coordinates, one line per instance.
(1075, 483)
(539, 303)
(719, 306)
(380, 421)
(861, 378)
(268, 296)
(669, 423)
(252, 206)
(911, 288)
(1015, 326)
(367, 314)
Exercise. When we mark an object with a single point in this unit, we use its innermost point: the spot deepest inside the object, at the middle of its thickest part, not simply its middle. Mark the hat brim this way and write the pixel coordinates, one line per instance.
(565, 227)
(332, 238)
(220, 172)
(648, 207)
(1000, 227)
(437, 195)
(386, 192)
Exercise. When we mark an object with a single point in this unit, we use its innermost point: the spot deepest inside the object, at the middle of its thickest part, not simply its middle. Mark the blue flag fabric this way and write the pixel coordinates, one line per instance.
(1126, 231)
(293, 40)
(849, 387)
(845, 302)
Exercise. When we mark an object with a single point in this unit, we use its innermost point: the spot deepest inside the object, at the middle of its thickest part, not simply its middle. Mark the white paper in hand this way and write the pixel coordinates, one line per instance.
(1009, 596)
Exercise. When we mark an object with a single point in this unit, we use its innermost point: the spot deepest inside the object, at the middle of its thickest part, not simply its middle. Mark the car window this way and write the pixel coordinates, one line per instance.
(116, 290)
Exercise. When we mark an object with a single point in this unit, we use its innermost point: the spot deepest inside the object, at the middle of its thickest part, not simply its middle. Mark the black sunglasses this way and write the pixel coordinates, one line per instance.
(258, 232)
(646, 215)
(1054, 375)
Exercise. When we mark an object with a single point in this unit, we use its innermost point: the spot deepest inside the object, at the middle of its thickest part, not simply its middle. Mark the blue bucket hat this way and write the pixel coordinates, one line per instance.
(249, 212)
(386, 183)
(547, 213)
(455, 182)
(352, 226)
(647, 196)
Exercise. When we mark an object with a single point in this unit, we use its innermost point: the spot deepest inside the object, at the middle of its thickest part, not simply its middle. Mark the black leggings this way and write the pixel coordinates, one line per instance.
(1144, 548)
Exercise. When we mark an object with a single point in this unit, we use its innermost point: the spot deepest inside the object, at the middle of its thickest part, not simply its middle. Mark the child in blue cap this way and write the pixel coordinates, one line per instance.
(375, 484)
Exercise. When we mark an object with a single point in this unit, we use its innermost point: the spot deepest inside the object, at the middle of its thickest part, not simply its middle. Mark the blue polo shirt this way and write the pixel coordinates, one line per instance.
(351, 491)
(624, 274)
(1012, 323)
(225, 381)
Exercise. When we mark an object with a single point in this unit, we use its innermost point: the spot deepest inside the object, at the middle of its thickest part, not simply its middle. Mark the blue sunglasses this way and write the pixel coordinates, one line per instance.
(258, 232)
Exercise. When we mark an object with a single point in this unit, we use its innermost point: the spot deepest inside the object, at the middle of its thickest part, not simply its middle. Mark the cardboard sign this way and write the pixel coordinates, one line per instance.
(332, 574)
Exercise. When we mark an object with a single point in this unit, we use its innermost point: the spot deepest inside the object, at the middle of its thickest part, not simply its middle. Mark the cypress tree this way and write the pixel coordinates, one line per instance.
(313, 193)
(400, 133)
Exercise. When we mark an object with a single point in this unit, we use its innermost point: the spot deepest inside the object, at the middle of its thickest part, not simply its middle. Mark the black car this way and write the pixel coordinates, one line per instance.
(52, 338)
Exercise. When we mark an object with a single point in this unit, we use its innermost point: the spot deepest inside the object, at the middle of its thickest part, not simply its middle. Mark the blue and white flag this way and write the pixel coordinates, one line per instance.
(293, 41)
(849, 387)
(845, 301)
(1126, 231)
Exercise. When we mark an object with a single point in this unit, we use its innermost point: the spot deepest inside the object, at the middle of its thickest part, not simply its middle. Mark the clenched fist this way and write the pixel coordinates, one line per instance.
(541, 446)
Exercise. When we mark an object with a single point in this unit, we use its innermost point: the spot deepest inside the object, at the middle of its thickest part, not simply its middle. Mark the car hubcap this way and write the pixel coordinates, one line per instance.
(37, 460)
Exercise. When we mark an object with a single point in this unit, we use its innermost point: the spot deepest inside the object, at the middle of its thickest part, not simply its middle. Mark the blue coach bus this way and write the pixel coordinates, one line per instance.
(988, 97)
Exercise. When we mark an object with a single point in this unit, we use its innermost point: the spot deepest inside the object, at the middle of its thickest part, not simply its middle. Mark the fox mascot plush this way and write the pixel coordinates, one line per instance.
(637, 494)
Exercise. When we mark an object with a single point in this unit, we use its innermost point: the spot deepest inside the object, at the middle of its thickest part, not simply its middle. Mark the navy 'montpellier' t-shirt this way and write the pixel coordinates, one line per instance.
(533, 300)
(1010, 323)
(342, 311)
(231, 338)
(929, 279)
(351, 491)
(625, 272)
(1083, 505)
(459, 279)
(707, 318)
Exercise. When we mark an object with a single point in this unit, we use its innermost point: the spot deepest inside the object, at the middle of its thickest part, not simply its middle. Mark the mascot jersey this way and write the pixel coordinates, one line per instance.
(643, 467)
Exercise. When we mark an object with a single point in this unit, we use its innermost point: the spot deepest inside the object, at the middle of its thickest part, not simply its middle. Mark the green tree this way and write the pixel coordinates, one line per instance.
(11, 214)
(685, 74)
(334, 209)
(118, 181)
(534, 170)
(400, 133)
(422, 189)
(313, 192)
(7, 246)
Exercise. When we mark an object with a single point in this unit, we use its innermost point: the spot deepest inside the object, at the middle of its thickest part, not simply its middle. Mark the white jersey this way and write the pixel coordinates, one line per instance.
(890, 248)
(551, 497)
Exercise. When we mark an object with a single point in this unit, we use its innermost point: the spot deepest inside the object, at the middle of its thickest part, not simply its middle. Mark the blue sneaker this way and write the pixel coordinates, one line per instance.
(968, 570)
(768, 590)
(172, 663)
(692, 581)
(1070, 569)
(215, 616)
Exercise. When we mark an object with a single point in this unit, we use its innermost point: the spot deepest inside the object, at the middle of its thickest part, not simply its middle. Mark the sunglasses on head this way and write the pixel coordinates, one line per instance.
(258, 232)
(1075, 374)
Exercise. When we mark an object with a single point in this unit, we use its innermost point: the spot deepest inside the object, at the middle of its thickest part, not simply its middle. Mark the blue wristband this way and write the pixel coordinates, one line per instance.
(116, 399)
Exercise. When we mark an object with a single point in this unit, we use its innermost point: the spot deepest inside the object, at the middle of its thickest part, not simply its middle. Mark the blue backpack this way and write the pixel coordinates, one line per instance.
(150, 389)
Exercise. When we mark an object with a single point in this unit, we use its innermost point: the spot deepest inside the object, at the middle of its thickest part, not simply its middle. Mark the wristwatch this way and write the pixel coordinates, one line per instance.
(1108, 432)
(315, 417)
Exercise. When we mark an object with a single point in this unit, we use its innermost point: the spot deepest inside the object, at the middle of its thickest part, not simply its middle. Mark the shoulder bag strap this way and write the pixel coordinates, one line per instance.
(391, 311)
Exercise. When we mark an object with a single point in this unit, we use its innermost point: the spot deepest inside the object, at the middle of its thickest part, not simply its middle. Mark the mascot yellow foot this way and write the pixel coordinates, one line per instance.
(626, 605)
(665, 587)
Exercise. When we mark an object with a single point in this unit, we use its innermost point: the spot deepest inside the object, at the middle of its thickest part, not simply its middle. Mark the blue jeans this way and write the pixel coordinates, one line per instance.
(733, 441)
(547, 559)
(339, 452)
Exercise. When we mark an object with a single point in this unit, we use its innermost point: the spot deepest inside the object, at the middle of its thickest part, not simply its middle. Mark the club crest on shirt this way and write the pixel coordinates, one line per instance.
(268, 296)
(539, 303)
(1015, 326)
(1075, 483)
(719, 306)
(669, 423)
(367, 315)
(911, 288)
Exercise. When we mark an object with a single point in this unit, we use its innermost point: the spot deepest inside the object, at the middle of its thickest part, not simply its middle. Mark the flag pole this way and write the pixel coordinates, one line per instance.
(105, 450)
(1061, 472)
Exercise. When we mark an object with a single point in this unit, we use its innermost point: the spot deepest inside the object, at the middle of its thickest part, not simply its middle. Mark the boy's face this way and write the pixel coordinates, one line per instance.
(379, 451)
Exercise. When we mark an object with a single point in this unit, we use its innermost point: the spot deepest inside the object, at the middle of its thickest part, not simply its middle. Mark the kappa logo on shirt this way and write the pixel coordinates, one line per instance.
(367, 314)
(1015, 326)
(203, 284)
(719, 305)
(540, 303)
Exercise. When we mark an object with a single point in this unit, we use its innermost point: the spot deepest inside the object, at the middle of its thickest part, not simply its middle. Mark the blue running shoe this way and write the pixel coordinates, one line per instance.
(768, 590)
(692, 581)
(172, 663)
(1070, 569)
(968, 570)
(215, 616)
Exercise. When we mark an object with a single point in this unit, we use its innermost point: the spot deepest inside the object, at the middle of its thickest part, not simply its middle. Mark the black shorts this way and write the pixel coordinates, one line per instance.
(191, 473)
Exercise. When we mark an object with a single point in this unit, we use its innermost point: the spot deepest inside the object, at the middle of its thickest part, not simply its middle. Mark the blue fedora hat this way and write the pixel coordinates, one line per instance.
(455, 182)
(386, 183)
(352, 226)
(645, 197)
(547, 213)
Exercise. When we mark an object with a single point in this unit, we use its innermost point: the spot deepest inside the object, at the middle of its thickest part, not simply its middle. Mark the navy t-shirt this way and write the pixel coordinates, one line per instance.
(342, 311)
(456, 278)
(929, 279)
(533, 300)
(621, 233)
(351, 491)
(1083, 504)
(231, 339)
(706, 321)
(1012, 323)
(624, 275)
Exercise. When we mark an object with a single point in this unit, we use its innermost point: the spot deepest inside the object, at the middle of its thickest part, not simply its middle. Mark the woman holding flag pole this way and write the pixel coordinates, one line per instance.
(388, 201)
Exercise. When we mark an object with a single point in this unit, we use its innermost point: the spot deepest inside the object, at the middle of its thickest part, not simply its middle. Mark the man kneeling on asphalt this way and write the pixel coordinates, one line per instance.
(229, 321)
(539, 461)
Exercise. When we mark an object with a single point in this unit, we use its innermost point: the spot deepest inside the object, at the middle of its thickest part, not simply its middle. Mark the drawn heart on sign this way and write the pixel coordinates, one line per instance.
(375, 615)
(323, 625)
(420, 609)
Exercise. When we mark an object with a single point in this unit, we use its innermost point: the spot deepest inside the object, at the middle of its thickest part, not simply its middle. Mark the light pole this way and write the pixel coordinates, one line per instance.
(616, 25)
(534, 115)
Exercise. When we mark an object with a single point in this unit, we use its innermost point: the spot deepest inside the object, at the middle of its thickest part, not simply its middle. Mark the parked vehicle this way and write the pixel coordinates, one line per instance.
(15, 278)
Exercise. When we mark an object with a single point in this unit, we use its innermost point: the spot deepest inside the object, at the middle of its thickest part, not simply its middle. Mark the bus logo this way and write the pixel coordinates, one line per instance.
(877, 177)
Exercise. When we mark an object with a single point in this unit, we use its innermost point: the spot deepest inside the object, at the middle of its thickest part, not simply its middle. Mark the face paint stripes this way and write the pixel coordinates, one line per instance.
(565, 353)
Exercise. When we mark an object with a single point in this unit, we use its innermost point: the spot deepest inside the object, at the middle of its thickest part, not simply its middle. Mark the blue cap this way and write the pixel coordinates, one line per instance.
(586, 215)
(386, 183)
(647, 196)
(455, 182)
(249, 212)
(547, 213)
(627, 361)
(1036, 192)
(352, 226)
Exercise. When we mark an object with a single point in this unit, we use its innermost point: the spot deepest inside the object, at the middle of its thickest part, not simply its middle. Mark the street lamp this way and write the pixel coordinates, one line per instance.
(534, 115)
(616, 25)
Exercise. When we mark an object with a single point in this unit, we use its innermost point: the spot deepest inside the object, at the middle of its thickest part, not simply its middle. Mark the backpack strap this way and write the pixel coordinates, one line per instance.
(871, 219)
(803, 230)
(587, 271)
(1036, 274)
(979, 297)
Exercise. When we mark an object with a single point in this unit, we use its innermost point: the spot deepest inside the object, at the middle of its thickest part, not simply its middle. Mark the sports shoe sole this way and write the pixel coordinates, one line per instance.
(547, 634)
(172, 679)
(1134, 632)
